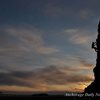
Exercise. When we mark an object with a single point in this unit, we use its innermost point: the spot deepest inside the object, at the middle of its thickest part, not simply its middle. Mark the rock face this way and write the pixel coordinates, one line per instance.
(94, 87)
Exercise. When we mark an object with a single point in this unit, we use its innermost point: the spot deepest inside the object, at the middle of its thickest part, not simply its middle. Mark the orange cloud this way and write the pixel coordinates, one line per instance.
(78, 36)
(44, 79)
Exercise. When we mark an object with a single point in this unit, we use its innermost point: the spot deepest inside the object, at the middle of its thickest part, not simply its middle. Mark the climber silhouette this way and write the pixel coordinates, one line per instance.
(94, 46)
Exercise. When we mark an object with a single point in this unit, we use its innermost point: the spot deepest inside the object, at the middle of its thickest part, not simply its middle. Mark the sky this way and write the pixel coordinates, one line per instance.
(45, 45)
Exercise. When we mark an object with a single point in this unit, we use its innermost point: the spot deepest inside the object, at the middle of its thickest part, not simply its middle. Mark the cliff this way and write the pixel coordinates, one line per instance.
(94, 87)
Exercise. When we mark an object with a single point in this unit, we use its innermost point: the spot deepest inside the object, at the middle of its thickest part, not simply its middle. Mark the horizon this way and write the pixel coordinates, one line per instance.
(45, 45)
(37, 92)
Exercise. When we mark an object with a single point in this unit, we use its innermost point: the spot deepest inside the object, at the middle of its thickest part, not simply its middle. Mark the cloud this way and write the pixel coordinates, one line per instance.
(79, 36)
(31, 39)
(26, 35)
(44, 78)
(84, 63)
(80, 39)
(23, 48)
(63, 75)
(15, 89)
(58, 61)
(70, 60)
(58, 9)
(85, 14)
(47, 50)
(14, 78)
(71, 31)
(54, 9)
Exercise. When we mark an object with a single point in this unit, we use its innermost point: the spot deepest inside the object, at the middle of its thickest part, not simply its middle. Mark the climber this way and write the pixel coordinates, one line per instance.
(94, 46)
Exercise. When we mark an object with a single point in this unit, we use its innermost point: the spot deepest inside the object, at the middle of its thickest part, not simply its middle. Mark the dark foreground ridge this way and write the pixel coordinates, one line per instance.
(94, 87)
(71, 96)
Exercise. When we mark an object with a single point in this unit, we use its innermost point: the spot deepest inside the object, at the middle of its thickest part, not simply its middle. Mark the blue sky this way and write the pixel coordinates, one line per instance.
(41, 38)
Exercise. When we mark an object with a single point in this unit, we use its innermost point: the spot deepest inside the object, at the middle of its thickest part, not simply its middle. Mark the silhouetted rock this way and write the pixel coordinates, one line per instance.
(41, 94)
(94, 87)
(1, 92)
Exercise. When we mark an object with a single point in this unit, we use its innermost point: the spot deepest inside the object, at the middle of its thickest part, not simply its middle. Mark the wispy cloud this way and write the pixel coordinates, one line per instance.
(80, 64)
(84, 14)
(53, 9)
(84, 63)
(58, 9)
(42, 77)
(47, 50)
(79, 36)
(23, 48)
(32, 39)
(71, 31)
(80, 39)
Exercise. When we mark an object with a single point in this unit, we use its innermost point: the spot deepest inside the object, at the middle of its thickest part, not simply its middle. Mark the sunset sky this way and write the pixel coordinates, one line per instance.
(45, 45)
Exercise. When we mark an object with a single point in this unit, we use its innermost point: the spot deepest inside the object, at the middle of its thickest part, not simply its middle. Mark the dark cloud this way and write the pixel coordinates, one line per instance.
(51, 75)
(14, 78)
(62, 75)
(85, 62)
